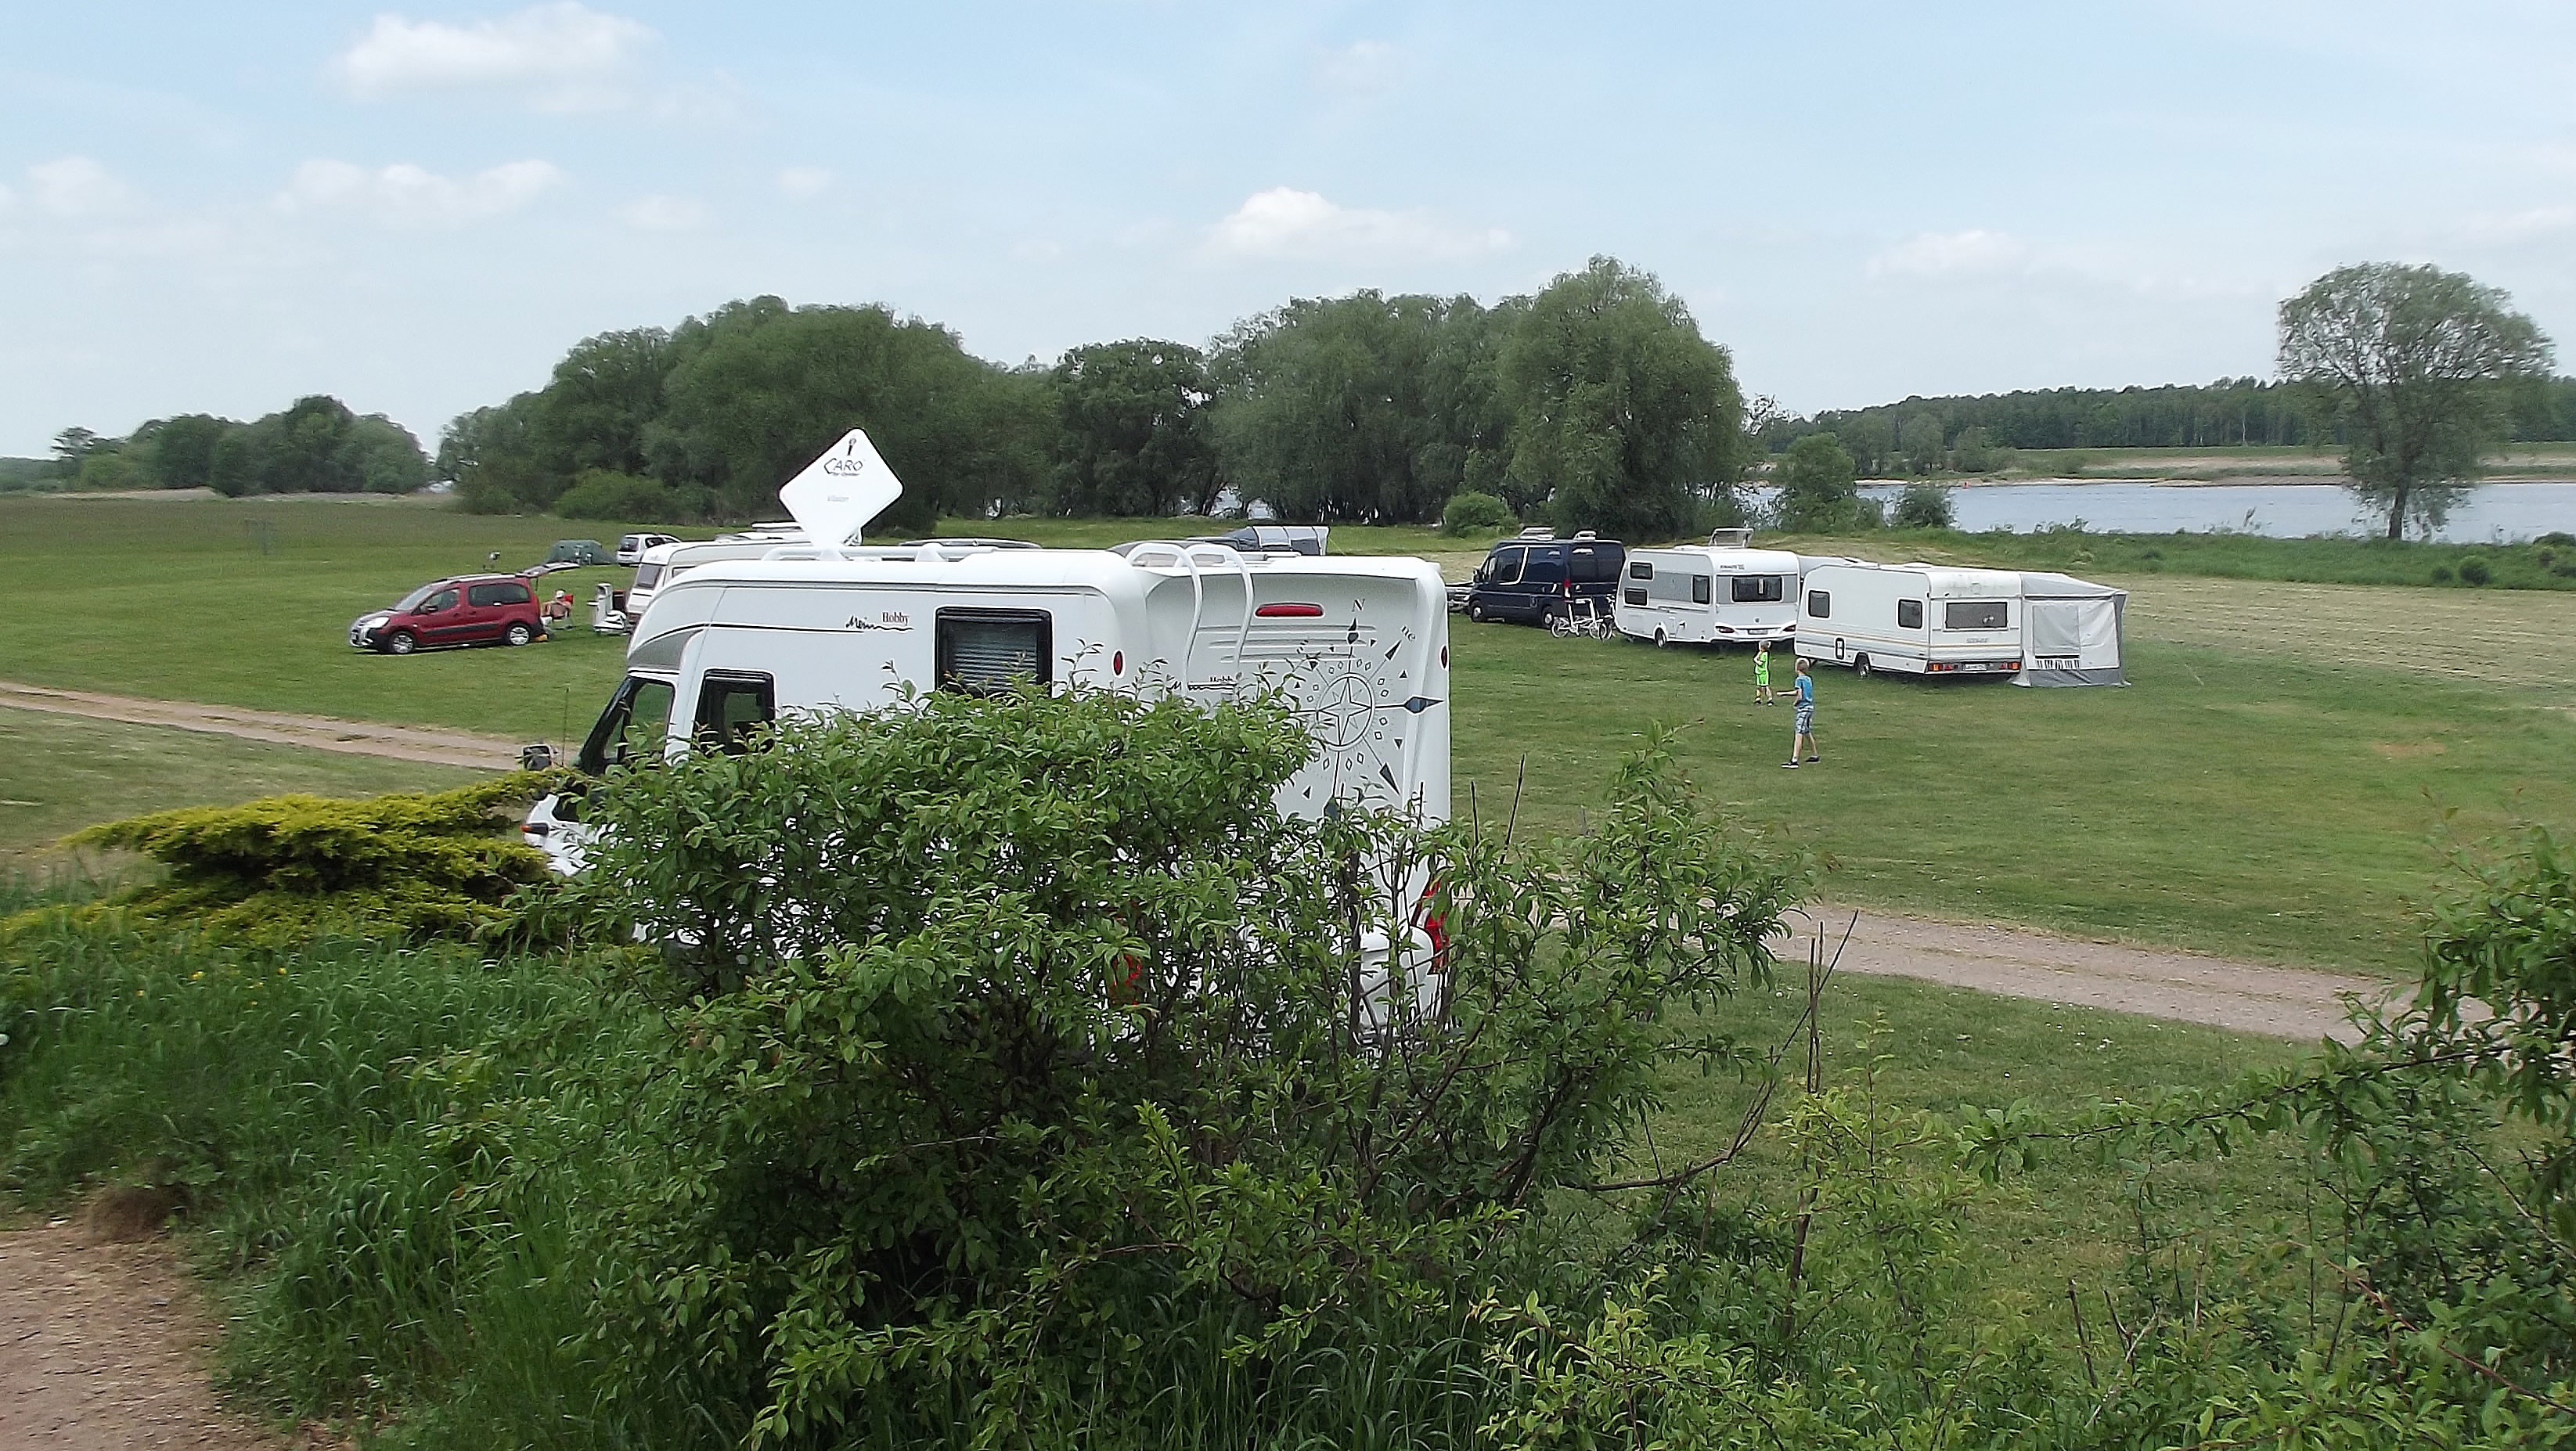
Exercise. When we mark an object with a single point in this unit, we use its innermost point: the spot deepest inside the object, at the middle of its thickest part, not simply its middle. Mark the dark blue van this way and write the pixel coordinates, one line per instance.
(1535, 577)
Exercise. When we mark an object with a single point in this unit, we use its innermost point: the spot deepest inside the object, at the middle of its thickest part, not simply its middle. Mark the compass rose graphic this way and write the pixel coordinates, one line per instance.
(1342, 711)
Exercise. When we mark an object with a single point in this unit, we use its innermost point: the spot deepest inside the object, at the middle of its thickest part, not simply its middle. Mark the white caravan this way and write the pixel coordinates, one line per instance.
(2070, 631)
(1715, 593)
(1918, 618)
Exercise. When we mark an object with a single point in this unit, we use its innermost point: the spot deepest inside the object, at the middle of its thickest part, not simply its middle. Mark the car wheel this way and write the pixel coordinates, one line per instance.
(518, 633)
(1860, 665)
(401, 642)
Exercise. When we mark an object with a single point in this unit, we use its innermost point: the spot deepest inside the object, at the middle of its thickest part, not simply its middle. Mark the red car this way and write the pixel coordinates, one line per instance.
(471, 609)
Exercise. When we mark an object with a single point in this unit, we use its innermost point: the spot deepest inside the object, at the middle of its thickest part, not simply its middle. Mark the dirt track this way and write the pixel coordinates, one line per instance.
(352, 737)
(103, 1348)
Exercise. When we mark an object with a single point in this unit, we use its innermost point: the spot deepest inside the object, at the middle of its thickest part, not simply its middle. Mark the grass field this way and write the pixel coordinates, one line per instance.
(58, 774)
(2268, 787)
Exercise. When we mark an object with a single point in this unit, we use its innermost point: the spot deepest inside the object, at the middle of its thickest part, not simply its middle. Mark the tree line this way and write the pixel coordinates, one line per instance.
(1970, 435)
(317, 446)
(1596, 401)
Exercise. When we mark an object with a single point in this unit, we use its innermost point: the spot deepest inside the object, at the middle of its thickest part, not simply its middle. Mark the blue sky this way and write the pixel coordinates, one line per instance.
(222, 208)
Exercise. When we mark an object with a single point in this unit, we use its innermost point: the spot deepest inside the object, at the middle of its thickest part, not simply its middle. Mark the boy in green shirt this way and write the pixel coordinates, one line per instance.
(1762, 676)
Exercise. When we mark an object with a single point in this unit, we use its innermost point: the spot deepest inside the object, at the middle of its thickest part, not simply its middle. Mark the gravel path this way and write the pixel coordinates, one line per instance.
(103, 1347)
(358, 738)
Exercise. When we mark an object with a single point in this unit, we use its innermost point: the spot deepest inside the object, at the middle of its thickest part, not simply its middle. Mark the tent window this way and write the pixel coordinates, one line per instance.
(1641, 569)
(1820, 604)
(1909, 614)
(987, 652)
(730, 704)
(1975, 615)
(1756, 589)
(1699, 589)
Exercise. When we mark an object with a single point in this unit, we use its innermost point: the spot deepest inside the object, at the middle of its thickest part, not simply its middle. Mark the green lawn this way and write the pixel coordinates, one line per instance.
(2266, 788)
(59, 773)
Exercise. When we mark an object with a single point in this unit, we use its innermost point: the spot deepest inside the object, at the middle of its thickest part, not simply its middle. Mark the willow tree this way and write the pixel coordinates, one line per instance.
(2415, 365)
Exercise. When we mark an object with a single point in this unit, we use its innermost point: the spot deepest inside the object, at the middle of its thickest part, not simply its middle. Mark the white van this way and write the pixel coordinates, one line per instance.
(1918, 618)
(1715, 593)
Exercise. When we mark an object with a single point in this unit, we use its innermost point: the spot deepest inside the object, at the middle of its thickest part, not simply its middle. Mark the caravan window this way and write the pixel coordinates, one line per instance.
(630, 732)
(987, 652)
(1756, 589)
(1641, 569)
(1699, 589)
(1636, 595)
(730, 704)
(1976, 615)
(1909, 614)
(1820, 604)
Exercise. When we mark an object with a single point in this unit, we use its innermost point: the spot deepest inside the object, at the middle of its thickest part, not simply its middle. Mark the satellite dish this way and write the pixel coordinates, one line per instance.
(840, 492)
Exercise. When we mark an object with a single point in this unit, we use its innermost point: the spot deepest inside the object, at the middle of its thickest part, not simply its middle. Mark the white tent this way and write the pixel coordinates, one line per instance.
(2070, 632)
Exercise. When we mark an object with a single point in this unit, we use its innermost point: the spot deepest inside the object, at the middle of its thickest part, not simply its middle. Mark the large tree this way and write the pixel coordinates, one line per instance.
(1619, 406)
(2415, 365)
(1133, 435)
(1818, 493)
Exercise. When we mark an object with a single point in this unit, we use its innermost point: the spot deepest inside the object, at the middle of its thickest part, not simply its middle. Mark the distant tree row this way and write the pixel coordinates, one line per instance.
(318, 446)
(1596, 402)
(1969, 435)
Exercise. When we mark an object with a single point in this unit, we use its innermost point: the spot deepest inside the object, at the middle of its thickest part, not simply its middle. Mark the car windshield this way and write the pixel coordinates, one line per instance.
(412, 601)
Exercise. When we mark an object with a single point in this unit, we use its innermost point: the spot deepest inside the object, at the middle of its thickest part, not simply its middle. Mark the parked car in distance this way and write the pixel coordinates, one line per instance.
(1535, 576)
(470, 609)
(580, 551)
(631, 547)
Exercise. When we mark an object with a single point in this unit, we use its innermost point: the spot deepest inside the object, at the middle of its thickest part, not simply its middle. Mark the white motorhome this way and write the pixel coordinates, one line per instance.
(1719, 593)
(1918, 618)
(613, 612)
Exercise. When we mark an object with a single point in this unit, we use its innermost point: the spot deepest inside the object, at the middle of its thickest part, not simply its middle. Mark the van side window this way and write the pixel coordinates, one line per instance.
(443, 600)
(1505, 566)
(1641, 569)
(1976, 615)
(988, 652)
(1820, 605)
(630, 732)
(496, 594)
(1546, 567)
(1699, 589)
(1596, 566)
(1909, 614)
(731, 703)
(1756, 589)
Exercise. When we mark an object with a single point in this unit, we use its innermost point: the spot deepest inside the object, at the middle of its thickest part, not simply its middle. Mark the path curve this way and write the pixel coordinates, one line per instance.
(433, 744)
(2021, 962)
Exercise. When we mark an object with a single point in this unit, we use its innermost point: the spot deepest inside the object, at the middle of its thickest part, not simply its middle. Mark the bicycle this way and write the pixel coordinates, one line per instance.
(1584, 617)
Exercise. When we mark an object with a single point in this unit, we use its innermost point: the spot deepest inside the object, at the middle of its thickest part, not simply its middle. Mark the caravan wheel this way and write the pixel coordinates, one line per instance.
(1659, 639)
(1860, 665)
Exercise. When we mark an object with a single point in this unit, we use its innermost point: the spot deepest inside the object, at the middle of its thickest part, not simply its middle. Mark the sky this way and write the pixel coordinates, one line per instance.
(224, 208)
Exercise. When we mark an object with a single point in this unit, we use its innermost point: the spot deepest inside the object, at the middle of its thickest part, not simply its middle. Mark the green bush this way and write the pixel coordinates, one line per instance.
(1924, 506)
(282, 869)
(600, 494)
(2475, 571)
(1470, 513)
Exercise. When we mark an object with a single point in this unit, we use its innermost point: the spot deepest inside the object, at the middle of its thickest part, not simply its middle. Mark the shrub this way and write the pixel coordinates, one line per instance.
(2475, 571)
(1472, 513)
(2441, 574)
(599, 494)
(1924, 506)
(282, 869)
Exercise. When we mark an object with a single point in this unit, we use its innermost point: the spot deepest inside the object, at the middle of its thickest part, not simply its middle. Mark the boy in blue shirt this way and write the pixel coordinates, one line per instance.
(1806, 735)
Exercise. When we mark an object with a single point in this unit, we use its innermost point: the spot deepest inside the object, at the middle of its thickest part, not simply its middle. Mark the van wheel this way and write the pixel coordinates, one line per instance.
(400, 642)
(1860, 665)
(1476, 613)
(518, 634)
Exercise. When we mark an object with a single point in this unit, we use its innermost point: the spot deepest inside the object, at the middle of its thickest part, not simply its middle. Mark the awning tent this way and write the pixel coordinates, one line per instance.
(2070, 632)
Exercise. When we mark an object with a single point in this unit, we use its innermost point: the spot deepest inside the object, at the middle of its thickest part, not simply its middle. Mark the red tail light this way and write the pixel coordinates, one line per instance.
(1433, 925)
(1289, 612)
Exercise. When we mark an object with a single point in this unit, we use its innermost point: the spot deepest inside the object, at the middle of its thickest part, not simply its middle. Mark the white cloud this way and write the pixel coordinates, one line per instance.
(1362, 68)
(662, 214)
(1939, 254)
(1286, 222)
(77, 187)
(404, 195)
(562, 56)
(804, 182)
(8, 198)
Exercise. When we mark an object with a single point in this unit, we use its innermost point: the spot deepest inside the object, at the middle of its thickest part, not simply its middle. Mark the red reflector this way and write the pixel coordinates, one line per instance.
(1444, 657)
(1117, 662)
(1297, 612)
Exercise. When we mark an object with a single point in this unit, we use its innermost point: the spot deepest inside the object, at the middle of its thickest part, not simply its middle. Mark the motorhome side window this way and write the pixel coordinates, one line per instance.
(1909, 614)
(730, 705)
(1596, 566)
(986, 652)
(1546, 566)
(631, 731)
(1756, 589)
(1699, 589)
(1820, 604)
(1641, 569)
(1505, 566)
(1975, 615)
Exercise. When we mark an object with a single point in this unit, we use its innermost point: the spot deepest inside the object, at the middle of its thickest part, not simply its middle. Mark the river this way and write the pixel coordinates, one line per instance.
(2489, 513)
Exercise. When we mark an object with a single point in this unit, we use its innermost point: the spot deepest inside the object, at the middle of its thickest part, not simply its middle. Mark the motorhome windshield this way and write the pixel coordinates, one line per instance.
(631, 731)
